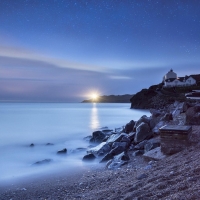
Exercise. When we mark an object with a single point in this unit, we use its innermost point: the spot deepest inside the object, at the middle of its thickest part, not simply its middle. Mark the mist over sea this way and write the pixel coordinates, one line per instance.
(62, 124)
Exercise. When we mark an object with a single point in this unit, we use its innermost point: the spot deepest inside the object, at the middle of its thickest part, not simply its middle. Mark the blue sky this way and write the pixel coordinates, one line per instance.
(63, 50)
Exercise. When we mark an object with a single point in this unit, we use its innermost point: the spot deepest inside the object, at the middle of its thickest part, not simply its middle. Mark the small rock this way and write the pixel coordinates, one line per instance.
(64, 151)
(142, 176)
(45, 161)
(150, 162)
(77, 150)
(148, 167)
(119, 160)
(89, 157)
(49, 144)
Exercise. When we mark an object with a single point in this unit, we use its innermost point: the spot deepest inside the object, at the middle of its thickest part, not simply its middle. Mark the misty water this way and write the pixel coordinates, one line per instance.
(62, 124)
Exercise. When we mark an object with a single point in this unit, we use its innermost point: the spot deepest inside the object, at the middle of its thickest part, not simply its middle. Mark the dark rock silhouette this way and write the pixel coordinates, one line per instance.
(63, 151)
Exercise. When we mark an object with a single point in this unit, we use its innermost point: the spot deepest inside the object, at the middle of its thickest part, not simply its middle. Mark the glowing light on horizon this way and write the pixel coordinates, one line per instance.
(94, 96)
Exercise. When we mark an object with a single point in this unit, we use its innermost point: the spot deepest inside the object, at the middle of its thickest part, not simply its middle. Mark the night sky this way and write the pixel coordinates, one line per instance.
(63, 50)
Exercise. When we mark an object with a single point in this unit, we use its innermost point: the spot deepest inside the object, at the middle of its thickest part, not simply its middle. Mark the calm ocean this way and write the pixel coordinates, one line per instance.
(62, 124)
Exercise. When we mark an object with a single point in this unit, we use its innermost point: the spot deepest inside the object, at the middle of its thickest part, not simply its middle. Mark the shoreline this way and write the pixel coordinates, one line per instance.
(172, 177)
(66, 185)
(176, 177)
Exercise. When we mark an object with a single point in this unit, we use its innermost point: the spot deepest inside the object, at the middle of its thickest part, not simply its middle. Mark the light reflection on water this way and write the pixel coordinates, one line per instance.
(64, 125)
(94, 120)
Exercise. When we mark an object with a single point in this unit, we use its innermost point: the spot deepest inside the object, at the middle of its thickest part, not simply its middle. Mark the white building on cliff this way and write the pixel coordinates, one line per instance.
(171, 80)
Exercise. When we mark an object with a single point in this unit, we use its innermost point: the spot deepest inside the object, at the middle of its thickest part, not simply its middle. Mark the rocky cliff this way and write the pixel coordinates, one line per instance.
(157, 97)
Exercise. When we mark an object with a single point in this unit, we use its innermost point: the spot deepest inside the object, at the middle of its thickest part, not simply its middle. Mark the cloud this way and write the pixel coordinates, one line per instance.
(119, 77)
(30, 76)
(33, 80)
(24, 54)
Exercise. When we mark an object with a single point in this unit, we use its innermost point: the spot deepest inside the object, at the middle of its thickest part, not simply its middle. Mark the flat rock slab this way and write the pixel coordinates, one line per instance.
(178, 129)
(154, 154)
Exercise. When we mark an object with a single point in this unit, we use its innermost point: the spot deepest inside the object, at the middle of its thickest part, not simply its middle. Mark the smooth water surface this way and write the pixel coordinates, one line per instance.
(62, 124)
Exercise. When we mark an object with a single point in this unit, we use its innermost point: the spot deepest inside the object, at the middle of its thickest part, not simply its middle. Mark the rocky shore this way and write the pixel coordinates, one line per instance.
(127, 172)
(158, 97)
(113, 147)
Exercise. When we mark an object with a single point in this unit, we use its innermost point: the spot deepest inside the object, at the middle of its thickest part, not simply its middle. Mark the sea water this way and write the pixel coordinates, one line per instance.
(63, 125)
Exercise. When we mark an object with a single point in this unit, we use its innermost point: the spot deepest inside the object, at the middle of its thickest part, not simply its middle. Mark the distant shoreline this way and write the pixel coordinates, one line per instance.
(111, 99)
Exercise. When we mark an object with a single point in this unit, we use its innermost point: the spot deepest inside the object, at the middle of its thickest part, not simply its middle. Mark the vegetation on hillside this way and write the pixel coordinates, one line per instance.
(158, 97)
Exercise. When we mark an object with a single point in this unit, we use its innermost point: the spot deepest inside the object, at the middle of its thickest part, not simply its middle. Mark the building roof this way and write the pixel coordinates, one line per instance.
(182, 79)
(196, 77)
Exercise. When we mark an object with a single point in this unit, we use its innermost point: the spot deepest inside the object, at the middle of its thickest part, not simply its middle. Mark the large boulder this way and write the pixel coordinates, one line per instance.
(193, 115)
(100, 150)
(97, 137)
(122, 144)
(107, 157)
(155, 130)
(154, 154)
(115, 138)
(154, 120)
(144, 119)
(119, 160)
(117, 150)
(142, 132)
(129, 127)
(152, 144)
